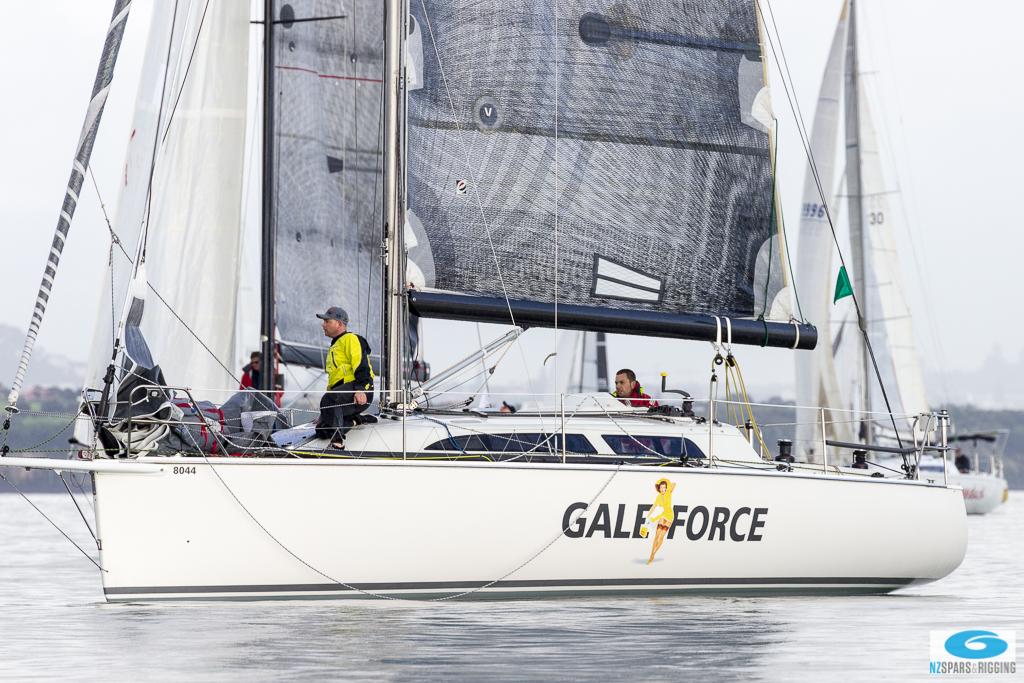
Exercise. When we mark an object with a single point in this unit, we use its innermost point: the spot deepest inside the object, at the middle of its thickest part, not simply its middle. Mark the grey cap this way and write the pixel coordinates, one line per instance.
(334, 313)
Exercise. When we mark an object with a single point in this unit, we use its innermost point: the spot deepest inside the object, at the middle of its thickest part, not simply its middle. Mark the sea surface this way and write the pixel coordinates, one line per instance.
(54, 624)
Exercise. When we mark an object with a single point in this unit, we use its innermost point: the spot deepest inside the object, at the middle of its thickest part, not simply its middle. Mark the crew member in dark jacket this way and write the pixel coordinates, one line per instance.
(349, 378)
(251, 372)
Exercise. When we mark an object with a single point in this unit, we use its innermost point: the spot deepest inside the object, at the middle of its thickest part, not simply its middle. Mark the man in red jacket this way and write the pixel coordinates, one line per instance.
(629, 391)
(251, 372)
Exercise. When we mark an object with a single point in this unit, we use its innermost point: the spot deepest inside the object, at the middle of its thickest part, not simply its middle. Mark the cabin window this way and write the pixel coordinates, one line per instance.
(527, 442)
(671, 446)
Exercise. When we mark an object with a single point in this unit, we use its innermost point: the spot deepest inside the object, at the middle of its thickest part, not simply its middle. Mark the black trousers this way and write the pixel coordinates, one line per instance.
(338, 410)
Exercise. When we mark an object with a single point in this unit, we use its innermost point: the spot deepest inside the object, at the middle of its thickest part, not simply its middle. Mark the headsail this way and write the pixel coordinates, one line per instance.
(194, 211)
(615, 162)
(326, 108)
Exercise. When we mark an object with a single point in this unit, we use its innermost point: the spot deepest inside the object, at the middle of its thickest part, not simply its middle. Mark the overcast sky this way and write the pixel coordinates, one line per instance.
(950, 73)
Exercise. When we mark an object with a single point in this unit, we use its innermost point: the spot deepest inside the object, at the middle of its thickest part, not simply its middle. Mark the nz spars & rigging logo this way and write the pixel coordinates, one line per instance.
(973, 651)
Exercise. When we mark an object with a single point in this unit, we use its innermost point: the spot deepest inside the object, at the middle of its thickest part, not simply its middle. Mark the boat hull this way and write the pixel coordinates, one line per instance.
(273, 528)
(983, 493)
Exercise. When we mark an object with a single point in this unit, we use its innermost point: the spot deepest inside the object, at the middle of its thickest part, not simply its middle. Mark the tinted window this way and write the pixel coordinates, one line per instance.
(672, 446)
(529, 442)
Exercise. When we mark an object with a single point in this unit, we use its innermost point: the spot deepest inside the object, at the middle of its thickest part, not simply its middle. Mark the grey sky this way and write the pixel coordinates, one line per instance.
(952, 113)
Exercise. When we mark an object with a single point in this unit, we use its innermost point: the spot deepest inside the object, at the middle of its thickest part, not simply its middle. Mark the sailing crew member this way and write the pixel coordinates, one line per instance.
(629, 391)
(251, 372)
(251, 375)
(349, 378)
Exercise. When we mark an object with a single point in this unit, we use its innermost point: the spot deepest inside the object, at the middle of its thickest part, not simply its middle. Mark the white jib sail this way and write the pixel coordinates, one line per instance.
(195, 214)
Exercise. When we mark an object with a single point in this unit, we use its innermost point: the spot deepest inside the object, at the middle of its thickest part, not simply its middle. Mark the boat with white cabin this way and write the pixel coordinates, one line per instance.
(503, 144)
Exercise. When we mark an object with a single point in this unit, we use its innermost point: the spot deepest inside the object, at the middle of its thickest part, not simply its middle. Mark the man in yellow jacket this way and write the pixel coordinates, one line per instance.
(349, 378)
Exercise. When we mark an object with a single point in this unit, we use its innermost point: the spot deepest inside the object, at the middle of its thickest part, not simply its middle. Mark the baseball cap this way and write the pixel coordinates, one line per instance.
(334, 313)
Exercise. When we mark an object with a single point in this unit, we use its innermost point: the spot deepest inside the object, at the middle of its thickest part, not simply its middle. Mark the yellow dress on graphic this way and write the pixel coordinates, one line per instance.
(664, 501)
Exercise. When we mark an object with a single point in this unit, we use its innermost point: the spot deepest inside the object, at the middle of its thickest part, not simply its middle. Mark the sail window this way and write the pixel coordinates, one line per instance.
(532, 442)
(287, 16)
(672, 446)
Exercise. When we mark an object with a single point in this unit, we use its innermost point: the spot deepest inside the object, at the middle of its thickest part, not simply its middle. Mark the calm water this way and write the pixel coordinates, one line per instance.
(54, 623)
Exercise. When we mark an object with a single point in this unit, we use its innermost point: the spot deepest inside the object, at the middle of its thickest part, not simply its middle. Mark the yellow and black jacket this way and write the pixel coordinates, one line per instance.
(348, 360)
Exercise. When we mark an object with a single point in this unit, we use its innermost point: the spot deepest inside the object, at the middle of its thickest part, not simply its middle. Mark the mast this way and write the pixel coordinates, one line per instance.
(395, 20)
(858, 235)
(267, 230)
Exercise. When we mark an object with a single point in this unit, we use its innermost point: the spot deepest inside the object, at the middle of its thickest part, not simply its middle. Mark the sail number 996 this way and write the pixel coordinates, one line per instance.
(184, 469)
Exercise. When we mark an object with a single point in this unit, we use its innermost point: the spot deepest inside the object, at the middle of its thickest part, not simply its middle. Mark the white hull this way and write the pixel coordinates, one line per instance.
(440, 529)
(983, 493)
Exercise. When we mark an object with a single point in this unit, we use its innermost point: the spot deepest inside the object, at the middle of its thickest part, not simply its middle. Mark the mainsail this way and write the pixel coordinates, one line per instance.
(615, 164)
(890, 324)
(873, 216)
(326, 108)
(816, 383)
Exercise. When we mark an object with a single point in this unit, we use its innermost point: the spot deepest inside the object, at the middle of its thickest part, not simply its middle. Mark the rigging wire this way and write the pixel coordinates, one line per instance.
(476, 195)
(115, 239)
(79, 508)
(188, 68)
(52, 523)
(383, 596)
(152, 170)
(921, 266)
(780, 58)
(156, 137)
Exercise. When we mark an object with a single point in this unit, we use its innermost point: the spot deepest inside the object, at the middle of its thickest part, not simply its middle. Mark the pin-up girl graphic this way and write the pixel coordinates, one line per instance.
(661, 515)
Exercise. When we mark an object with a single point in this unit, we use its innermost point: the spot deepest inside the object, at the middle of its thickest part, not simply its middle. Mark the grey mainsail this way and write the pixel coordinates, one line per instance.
(616, 158)
(327, 157)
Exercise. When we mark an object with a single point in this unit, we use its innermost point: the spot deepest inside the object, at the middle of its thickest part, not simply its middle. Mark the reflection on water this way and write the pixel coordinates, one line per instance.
(54, 623)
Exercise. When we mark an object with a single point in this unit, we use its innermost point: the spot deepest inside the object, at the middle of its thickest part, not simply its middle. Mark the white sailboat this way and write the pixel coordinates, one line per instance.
(503, 146)
(871, 200)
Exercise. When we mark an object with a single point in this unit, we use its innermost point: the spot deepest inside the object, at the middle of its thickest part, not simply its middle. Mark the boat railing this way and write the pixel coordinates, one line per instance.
(563, 409)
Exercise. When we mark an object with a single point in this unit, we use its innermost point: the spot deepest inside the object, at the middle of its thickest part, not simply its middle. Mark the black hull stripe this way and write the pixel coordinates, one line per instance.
(539, 583)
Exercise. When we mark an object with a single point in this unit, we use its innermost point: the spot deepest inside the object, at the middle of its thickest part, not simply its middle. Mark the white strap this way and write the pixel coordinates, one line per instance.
(796, 326)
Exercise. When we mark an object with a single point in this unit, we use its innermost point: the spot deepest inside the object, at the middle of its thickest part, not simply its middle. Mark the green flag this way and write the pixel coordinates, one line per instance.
(843, 286)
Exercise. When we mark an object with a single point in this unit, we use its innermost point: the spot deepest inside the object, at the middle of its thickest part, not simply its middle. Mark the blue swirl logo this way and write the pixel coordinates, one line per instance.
(975, 645)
